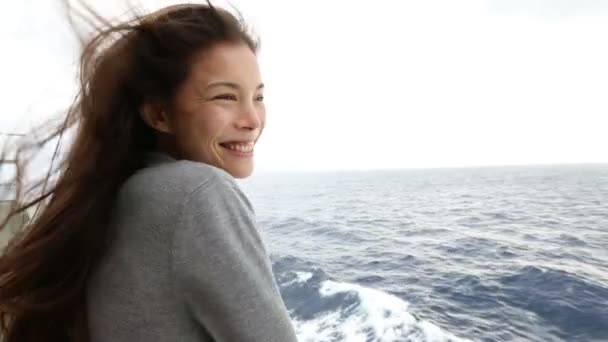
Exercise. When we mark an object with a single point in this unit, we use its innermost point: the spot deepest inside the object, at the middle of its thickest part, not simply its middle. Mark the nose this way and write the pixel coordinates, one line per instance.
(249, 117)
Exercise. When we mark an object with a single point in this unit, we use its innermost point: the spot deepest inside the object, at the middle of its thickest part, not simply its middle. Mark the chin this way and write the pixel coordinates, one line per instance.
(240, 173)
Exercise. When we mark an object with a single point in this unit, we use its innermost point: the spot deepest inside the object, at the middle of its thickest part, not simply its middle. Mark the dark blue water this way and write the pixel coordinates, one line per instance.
(487, 254)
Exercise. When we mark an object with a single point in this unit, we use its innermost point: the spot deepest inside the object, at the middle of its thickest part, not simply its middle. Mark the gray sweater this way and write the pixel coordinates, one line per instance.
(185, 263)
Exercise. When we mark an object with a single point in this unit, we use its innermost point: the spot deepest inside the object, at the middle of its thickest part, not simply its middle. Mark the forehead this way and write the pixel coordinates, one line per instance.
(226, 62)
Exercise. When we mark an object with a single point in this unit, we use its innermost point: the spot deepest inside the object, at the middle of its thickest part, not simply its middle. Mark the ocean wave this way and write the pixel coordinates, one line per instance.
(567, 301)
(449, 248)
(324, 310)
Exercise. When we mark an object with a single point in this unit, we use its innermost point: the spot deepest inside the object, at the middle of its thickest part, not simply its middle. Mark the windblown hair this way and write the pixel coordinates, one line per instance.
(45, 267)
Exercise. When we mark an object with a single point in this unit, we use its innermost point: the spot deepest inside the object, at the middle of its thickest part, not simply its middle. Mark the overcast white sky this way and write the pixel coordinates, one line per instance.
(381, 84)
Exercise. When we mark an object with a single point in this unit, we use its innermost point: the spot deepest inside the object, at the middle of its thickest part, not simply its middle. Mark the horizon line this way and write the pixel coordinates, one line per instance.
(414, 168)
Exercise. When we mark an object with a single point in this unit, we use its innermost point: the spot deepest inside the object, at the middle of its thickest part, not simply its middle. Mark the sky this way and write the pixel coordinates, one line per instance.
(379, 85)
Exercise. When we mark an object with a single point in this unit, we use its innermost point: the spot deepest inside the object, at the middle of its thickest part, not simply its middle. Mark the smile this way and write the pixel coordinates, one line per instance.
(239, 147)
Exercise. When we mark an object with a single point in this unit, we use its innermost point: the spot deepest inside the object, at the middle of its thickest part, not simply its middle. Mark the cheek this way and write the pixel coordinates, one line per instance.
(262, 115)
(201, 124)
(190, 131)
(206, 125)
(206, 131)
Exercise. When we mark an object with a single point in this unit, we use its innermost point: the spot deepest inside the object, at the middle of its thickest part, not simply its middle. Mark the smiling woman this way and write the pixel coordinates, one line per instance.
(221, 110)
(143, 233)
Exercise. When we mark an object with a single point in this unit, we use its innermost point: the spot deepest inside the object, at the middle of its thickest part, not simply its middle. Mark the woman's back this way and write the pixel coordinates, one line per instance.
(184, 263)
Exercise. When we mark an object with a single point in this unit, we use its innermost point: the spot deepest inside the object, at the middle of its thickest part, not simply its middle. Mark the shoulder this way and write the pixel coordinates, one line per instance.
(168, 186)
(179, 178)
(217, 211)
(219, 191)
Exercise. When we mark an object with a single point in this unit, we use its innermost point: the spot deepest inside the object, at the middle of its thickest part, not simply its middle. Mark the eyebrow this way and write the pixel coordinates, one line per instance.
(229, 85)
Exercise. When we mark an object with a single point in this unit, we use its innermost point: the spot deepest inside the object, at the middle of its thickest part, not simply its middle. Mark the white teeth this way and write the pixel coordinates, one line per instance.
(241, 147)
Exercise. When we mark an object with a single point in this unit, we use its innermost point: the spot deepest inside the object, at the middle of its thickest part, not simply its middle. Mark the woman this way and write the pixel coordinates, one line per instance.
(145, 235)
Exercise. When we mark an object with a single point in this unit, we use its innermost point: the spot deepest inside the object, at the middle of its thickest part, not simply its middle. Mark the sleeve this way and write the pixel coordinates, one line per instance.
(223, 271)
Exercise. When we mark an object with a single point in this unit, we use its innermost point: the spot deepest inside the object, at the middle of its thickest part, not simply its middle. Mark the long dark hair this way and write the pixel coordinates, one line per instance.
(45, 267)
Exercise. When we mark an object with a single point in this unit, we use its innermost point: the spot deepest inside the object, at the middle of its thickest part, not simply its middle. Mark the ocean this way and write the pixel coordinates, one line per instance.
(438, 255)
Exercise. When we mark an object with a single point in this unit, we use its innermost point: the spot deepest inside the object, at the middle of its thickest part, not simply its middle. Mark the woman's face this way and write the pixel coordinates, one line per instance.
(220, 112)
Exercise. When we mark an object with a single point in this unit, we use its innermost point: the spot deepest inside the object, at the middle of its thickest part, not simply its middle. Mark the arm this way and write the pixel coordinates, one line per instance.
(222, 270)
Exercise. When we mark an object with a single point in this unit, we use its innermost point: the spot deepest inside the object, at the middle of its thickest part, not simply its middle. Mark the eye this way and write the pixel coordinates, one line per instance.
(229, 97)
(260, 98)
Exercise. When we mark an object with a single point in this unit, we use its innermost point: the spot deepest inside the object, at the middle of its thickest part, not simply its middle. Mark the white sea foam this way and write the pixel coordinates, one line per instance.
(376, 316)
(301, 277)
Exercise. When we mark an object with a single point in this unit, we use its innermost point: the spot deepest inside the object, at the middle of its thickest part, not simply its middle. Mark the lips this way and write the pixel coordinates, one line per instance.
(239, 146)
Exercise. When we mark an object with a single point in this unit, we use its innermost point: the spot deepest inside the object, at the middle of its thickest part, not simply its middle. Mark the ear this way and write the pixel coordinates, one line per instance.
(155, 116)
